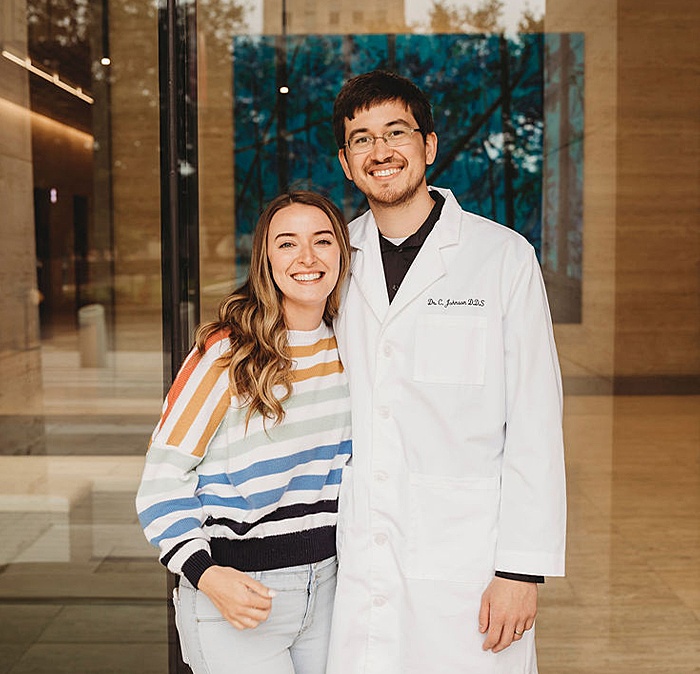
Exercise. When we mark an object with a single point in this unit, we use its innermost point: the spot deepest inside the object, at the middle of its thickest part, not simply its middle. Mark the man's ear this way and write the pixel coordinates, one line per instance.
(344, 163)
(431, 143)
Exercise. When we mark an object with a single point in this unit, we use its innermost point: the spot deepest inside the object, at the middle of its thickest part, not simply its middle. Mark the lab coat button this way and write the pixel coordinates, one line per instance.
(379, 601)
(380, 539)
(381, 476)
(384, 412)
(387, 350)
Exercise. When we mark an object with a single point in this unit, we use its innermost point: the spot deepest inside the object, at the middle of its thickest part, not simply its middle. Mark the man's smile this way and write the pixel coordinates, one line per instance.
(384, 172)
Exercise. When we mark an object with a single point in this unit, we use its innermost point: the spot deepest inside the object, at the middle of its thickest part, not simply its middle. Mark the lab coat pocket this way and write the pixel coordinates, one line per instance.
(453, 530)
(450, 349)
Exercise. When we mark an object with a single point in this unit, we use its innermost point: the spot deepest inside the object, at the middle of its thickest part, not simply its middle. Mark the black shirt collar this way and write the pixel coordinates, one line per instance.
(417, 239)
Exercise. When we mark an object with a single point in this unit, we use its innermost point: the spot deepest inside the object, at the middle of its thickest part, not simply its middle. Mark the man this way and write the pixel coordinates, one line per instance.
(454, 507)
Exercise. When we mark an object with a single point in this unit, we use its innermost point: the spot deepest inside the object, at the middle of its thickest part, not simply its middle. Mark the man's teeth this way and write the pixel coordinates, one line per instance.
(385, 172)
(307, 277)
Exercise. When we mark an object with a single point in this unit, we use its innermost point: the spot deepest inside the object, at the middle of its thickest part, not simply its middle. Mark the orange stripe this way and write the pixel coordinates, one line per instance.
(186, 371)
(319, 370)
(312, 349)
(214, 421)
(180, 380)
(194, 405)
(216, 337)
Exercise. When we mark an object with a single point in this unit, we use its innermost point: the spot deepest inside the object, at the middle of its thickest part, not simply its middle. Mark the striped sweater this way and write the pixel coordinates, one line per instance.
(214, 493)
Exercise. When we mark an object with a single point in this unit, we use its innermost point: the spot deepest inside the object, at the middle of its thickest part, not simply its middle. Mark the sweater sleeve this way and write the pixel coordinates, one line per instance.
(167, 500)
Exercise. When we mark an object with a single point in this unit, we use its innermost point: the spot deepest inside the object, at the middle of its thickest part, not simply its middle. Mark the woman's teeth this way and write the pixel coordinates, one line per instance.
(307, 277)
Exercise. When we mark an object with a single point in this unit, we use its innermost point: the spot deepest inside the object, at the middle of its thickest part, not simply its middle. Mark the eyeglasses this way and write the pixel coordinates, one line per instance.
(395, 137)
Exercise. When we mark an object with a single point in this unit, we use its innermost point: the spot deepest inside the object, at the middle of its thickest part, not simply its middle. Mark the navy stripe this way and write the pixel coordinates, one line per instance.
(285, 513)
(275, 552)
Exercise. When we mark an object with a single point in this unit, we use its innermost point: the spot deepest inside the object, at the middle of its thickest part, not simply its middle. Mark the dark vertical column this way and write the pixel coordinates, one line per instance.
(565, 163)
(348, 48)
(177, 45)
(508, 133)
(101, 234)
(179, 194)
(281, 83)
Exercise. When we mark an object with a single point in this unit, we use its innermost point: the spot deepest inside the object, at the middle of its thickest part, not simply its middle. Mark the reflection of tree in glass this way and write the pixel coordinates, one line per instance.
(487, 17)
(487, 95)
(219, 20)
(59, 38)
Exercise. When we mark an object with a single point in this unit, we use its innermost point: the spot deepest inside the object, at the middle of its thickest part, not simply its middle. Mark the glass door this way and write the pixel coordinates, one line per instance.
(81, 339)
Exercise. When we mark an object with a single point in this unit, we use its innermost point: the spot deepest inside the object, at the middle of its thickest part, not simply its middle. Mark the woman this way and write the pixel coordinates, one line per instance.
(241, 480)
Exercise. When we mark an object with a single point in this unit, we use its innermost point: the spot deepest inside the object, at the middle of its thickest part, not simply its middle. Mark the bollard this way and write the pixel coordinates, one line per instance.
(92, 336)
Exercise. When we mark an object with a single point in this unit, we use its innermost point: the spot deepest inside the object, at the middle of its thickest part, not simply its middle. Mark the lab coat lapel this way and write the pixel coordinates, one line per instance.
(429, 264)
(367, 269)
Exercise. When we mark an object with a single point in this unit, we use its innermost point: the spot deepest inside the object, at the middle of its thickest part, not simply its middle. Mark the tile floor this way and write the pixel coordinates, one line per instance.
(82, 592)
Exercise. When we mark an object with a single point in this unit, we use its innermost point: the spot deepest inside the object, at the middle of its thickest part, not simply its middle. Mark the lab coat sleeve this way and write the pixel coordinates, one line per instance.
(532, 523)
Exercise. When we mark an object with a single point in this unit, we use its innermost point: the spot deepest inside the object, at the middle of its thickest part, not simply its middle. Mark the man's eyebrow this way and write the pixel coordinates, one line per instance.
(393, 122)
(398, 121)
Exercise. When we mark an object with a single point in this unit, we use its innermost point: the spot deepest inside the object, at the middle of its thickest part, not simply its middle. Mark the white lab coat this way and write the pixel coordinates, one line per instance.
(457, 465)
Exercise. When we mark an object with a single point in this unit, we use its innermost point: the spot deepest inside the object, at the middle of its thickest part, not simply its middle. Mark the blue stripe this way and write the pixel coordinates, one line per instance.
(219, 478)
(167, 508)
(265, 498)
(180, 527)
(277, 465)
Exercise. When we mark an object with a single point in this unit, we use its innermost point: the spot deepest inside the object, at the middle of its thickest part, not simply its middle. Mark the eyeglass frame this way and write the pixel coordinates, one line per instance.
(383, 137)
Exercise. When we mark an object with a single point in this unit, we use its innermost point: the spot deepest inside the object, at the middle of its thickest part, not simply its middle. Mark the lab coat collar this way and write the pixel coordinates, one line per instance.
(428, 267)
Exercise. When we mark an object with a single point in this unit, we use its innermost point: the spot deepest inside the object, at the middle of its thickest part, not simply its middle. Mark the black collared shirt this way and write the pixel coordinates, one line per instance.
(398, 259)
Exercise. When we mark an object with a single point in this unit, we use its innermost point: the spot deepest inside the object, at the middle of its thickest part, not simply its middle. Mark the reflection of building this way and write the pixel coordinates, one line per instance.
(79, 181)
(340, 16)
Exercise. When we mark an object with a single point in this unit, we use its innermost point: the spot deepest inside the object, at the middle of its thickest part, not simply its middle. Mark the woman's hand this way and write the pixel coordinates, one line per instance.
(244, 602)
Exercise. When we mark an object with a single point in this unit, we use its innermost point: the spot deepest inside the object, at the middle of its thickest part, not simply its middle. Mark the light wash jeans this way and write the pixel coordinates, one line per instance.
(293, 640)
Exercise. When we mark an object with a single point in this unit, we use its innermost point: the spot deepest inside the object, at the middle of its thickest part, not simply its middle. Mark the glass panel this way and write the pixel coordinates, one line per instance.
(80, 335)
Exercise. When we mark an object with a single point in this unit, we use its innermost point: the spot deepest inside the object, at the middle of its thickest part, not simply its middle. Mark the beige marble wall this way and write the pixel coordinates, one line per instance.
(657, 317)
(133, 36)
(641, 313)
(587, 349)
(20, 360)
(217, 25)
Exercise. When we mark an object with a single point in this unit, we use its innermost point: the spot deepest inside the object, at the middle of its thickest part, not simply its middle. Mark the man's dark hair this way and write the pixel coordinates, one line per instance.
(374, 88)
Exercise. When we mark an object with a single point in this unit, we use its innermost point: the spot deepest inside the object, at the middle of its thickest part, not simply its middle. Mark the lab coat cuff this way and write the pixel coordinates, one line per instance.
(531, 563)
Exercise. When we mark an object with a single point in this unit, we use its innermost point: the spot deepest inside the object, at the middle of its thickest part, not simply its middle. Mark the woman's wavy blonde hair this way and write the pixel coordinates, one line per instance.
(259, 358)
